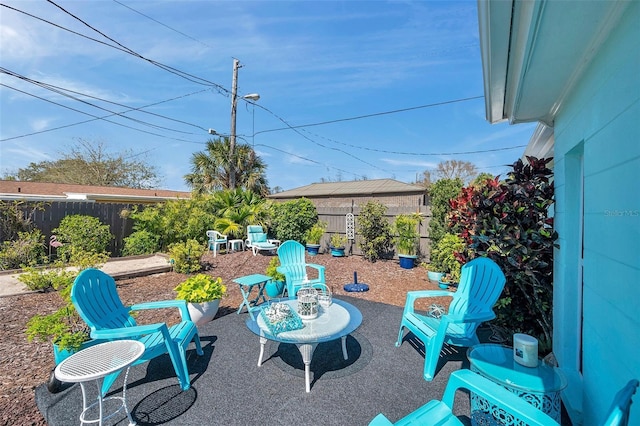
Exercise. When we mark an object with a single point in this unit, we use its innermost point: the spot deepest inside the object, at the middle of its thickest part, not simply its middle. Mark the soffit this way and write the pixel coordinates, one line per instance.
(534, 52)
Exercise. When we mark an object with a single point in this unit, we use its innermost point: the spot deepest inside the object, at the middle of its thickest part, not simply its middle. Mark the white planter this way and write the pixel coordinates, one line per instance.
(202, 313)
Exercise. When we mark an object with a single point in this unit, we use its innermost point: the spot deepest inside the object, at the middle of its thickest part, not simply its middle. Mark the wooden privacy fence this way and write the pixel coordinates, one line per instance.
(335, 217)
(108, 213)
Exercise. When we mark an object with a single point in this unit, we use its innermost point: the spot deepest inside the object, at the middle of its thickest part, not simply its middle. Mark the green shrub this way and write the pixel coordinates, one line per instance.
(140, 242)
(440, 194)
(176, 220)
(291, 220)
(186, 256)
(46, 279)
(374, 230)
(27, 250)
(82, 233)
(443, 256)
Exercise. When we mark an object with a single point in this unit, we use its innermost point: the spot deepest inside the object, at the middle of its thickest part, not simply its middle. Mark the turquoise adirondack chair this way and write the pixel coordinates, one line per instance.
(440, 412)
(95, 298)
(294, 267)
(621, 406)
(481, 283)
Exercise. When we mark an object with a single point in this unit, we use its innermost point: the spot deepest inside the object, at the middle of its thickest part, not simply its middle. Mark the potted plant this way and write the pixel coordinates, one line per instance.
(432, 273)
(445, 281)
(406, 228)
(337, 244)
(443, 257)
(275, 286)
(313, 236)
(202, 293)
(64, 329)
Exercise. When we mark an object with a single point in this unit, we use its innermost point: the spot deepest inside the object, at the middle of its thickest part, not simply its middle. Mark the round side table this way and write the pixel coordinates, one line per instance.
(539, 386)
(93, 364)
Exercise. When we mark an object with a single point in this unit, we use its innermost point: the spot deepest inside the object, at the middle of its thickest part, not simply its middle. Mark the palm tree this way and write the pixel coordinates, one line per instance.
(236, 209)
(210, 169)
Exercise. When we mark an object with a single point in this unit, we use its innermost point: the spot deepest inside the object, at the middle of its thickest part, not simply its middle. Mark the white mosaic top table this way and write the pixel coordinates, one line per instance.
(93, 364)
(335, 322)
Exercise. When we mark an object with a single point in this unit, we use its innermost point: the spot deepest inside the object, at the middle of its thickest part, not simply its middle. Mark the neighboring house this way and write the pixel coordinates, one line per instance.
(389, 192)
(44, 191)
(334, 200)
(104, 202)
(575, 68)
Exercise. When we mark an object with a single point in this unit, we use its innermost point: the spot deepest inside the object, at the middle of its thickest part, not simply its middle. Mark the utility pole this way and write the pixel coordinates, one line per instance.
(232, 137)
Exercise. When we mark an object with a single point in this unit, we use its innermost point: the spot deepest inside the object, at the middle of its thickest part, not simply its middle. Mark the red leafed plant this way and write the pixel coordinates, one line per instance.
(508, 221)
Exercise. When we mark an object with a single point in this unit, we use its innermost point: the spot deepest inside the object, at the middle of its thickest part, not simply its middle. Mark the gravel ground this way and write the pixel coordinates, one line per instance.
(25, 365)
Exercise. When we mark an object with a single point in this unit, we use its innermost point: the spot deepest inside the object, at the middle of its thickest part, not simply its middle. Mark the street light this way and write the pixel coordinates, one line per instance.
(252, 97)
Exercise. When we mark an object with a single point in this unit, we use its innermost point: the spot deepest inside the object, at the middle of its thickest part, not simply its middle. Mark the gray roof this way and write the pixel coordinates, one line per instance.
(356, 187)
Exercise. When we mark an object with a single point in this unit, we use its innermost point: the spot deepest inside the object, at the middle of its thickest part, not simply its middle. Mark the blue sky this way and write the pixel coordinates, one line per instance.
(310, 61)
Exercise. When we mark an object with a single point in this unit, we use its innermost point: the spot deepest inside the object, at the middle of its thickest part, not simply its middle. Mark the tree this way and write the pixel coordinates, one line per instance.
(88, 163)
(237, 208)
(210, 169)
(375, 231)
(452, 169)
(440, 193)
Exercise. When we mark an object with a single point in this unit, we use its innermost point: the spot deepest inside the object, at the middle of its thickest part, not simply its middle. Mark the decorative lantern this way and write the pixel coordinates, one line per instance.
(307, 303)
(324, 296)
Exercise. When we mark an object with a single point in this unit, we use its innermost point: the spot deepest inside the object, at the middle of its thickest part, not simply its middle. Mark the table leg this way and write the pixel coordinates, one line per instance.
(306, 350)
(263, 341)
(245, 301)
(344, 347)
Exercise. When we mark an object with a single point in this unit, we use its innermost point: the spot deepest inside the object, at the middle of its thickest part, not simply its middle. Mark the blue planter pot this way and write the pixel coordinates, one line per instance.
(274, 288)
(407, 262)
(443, 286)
(313, 249)
(434, 276)
(337, 251)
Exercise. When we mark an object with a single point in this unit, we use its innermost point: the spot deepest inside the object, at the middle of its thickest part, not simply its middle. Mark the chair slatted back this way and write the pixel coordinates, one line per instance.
(95, 298)
(292, 256)
(481, 283)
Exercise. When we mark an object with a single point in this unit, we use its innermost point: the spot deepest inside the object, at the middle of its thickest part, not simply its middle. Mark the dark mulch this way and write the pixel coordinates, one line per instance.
(25, 365)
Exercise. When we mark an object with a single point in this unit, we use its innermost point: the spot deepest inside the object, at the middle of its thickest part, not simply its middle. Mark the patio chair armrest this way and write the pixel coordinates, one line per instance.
(482, 317)
(412, 296)
(119, 333)
(492, 392)
(319, 268)
(160, 304)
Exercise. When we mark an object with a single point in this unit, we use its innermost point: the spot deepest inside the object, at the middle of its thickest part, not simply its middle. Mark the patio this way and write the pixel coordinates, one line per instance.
(229, 388)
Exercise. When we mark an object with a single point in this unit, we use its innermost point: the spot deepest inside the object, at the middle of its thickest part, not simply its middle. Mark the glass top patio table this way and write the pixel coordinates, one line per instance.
(340, 319)
(335, 322)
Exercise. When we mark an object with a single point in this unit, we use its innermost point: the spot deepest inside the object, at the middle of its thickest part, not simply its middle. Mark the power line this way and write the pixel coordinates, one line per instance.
(310, 160)
(164, 25)
(376, 114)
(168, 68)
(316, 142)
(86, 113)
(62, 92)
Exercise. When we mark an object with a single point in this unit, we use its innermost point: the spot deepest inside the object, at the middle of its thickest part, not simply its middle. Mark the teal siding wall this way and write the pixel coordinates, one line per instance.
(598, 129)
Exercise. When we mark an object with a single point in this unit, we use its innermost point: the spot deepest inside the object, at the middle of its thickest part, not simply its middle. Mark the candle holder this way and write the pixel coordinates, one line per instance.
(308, 303)
(324, 296)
